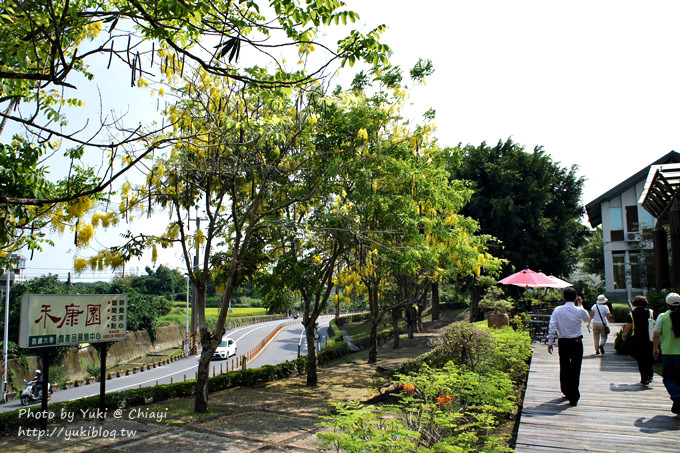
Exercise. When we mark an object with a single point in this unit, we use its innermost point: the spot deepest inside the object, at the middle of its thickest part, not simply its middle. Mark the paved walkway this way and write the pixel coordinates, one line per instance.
(615, 413)
(280, 416)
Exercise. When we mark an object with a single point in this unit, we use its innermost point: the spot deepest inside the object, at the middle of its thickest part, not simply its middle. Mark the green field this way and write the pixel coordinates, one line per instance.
(238, 312)
(180, 308)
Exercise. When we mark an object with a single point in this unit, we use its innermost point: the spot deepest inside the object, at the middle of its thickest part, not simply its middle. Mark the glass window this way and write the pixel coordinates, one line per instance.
(635, 270)
(619, 271)
(632, 221)
(615, 219)
(646, 219)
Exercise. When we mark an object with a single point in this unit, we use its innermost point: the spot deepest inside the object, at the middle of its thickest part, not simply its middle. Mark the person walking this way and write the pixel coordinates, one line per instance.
(667, 335)
(641, 345)
(565, 325)
(599, 314)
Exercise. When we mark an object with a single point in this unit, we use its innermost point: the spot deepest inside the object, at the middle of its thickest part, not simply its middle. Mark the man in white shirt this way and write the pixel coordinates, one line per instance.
(565, 325)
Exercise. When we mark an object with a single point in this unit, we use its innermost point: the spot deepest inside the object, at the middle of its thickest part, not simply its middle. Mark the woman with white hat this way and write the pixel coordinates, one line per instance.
(599, 314)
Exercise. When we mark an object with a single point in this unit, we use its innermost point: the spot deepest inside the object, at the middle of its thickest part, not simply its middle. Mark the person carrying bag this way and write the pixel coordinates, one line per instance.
(641, 344)
(600, 326)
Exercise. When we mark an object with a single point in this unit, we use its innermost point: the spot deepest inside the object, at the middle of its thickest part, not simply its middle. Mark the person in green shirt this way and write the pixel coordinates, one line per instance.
(667, 334)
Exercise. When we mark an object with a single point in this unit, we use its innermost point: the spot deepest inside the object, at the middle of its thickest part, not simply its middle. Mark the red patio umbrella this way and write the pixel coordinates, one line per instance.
(559, 283)
(528, 278)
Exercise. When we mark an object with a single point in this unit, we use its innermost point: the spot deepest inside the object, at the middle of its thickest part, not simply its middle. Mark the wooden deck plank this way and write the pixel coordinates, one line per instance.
(615, 413)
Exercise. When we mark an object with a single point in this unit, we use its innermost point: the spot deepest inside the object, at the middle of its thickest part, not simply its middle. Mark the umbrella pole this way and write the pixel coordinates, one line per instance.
(527, 303)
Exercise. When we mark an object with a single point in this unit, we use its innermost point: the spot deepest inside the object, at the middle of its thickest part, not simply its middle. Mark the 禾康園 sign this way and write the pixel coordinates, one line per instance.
(64, 319)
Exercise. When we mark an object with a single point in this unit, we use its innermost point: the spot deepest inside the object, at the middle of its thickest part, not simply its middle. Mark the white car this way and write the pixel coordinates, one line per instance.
(225, 349)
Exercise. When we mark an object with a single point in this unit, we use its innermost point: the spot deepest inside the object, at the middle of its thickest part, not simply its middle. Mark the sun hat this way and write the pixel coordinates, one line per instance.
(601, 299)
(673, 300)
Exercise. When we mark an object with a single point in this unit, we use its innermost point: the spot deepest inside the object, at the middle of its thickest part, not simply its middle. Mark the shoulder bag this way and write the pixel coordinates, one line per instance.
(607, 330)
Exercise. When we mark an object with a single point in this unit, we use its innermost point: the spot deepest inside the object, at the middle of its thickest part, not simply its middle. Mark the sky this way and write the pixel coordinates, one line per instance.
(595, 83)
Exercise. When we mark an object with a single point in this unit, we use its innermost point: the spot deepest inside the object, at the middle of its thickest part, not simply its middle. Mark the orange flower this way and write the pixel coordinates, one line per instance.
(410, 388)
(443, 400)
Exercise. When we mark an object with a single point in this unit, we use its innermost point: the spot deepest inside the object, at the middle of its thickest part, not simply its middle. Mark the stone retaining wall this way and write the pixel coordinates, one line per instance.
(135, 345)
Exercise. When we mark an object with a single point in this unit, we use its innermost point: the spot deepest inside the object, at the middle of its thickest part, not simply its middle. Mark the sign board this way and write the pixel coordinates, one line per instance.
(66, 319)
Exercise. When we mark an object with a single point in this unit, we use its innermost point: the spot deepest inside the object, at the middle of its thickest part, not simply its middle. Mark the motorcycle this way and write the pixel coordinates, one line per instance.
(27, 395)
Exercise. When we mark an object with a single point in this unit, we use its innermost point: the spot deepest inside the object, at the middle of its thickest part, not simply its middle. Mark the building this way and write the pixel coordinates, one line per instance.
(627, 232)
(16, 275)
(660, 198)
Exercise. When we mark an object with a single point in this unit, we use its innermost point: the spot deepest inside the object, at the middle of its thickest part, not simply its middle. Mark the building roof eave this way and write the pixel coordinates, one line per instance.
(594, 208)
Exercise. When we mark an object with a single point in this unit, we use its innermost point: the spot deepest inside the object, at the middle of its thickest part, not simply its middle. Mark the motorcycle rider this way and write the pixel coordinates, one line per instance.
(38, 382)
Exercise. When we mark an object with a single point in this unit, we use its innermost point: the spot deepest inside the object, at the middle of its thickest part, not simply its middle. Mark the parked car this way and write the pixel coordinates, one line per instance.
(225, 349)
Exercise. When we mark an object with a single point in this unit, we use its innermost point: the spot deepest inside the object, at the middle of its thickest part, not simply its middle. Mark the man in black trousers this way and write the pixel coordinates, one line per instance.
(565, 325)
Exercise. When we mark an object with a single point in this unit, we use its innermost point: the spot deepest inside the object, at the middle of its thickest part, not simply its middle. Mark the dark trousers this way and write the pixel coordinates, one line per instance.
(642, 351)
(571, 356)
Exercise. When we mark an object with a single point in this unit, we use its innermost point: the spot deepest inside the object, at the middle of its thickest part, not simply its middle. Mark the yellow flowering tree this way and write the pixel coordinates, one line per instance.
(404, 208)
(240, 157)
(54, 49)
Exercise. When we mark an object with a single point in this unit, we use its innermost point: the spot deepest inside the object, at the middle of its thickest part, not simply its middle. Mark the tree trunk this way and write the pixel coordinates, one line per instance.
(435, 301)
(396, 314)
(410, 321)
(373, 341)
(337, 313)
(209, 345)
(375, 320)
(419, 314)
(312, 371)
(475, 313)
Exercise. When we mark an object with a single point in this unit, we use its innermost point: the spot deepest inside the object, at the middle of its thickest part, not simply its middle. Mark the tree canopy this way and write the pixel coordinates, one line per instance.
(528, 202)
(592, 253)
(51, 50)
(389, 209)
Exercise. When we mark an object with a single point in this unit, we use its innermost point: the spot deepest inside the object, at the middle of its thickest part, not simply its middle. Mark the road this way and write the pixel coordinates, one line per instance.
(284, 346)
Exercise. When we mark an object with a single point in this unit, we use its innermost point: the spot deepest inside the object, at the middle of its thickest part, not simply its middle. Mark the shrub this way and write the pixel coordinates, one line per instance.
(213, 301)
(334, 352)
(620, 313)
(465, 344)
(657, 300)
(622, 345)
(492, 302)
(356, 317)
(511, 352)
(58, 375)
(450, 409)
(93, 370)
(444, 406)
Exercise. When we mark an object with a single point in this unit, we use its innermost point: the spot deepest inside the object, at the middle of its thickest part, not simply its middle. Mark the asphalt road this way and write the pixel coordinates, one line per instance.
(284, 346)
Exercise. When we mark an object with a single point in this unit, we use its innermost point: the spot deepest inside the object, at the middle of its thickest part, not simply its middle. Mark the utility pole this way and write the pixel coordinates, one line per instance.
(186, 330)
(194, 313)
(6, 341)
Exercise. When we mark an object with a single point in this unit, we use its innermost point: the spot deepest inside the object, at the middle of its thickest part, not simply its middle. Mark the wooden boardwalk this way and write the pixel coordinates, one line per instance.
(615, 413)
